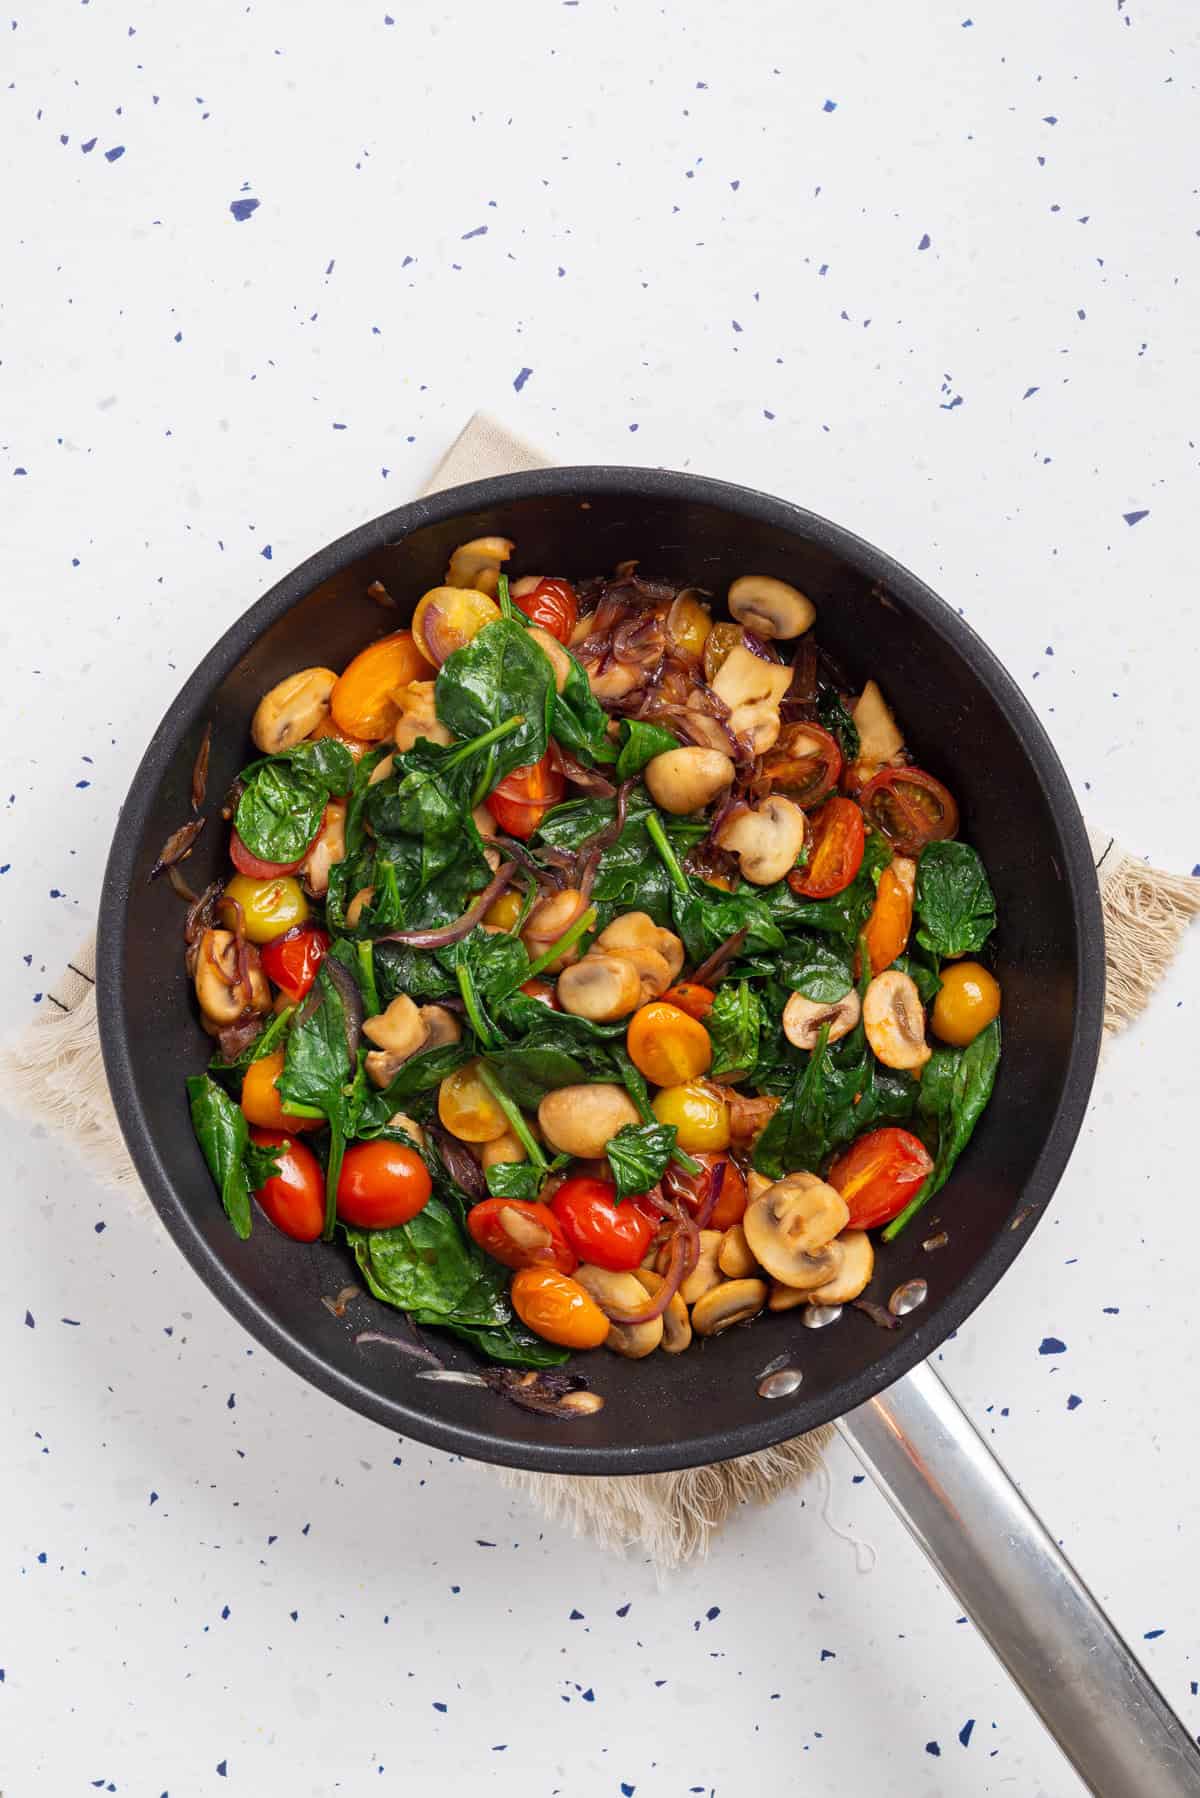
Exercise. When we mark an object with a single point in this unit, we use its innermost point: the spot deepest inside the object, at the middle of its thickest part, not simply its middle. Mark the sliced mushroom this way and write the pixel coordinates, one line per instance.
(756, 723)
(508, 1147)
(614, 681)
(790, 1223)
(550, 919)
(582, 1120)
(555, 654)
(804, 1019)
(621, 1292)
(756, 1185)
(401, 1029)
(418, 716)
(292, 710)
(894, 1020)
(477, 563)
(748, 1118)
(357, 906)
(879, 739)
(229, 985)
(770, 608)
(637, 930)
(734, 1302)
(400, 1120)
(686, 780)
(766, 841)
(441, 1026)
(327, 851)
(601, 987)
(745, 679)
(677, 1325)
(523, 1231)
(734, 1257)
(706, 1274)
(855, 1263)
(383, 770)
(787, 1298)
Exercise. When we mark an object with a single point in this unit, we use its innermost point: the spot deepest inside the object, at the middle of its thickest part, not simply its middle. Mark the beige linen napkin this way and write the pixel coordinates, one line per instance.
(55, 1075)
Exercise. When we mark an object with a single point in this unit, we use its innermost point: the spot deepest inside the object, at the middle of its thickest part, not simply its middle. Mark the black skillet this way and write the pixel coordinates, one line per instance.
(967, 723)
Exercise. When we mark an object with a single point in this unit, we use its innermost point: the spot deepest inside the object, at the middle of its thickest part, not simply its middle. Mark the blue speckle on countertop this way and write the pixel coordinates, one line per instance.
(1051, 1345)
(520, 378)
(1136, 517)
(242, 209)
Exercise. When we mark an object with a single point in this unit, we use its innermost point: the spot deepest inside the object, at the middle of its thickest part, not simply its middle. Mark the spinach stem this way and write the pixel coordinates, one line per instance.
(658, 837)
(520, 1128)
(303, 1111)
(337, 1149)
(682, 1159)
(466, 987)
(366, 967)
(505, 597)
(468, 749)
(919, 1199)
(567, 940)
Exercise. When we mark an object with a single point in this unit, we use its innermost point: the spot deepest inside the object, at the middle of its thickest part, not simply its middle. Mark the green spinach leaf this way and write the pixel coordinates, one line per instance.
(794, 1138)
(640, 743)
(236, 1164)
(512, 1344)
(955, 905)
(317, 1072)
(579, 721)
(529, 1070)
(734, 1025)
(707, 916)
(838, 722)
(429, 1268)
(817, 967)
(921, 969)
(514, 1180)
(501, 675)
(281, 809)
(638, 1155)
(956, 1084)
(847, 912)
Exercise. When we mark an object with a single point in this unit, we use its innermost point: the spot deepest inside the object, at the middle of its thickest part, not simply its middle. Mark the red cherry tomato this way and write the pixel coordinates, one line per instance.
(804, 764)
(879, 1174)
(523, 798)
(253, 865)
(381, 1184)
(837, 851)
(292, 961)
(543, 990)
(910, 807)
(521, 1233)
(599, 1229)
(294, 1197)
(553, 606)
(694, 1189)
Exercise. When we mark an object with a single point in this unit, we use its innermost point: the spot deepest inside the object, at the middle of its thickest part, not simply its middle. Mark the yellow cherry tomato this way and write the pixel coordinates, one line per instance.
(447, 618)
(270, 907)
(260, 1097)
(557, 1308)
(504, 911)
(700, 1118)
(467, 1108)
(967, 1003)
(362, 702)
(666, 1045)
(721, 639)
(688, 625)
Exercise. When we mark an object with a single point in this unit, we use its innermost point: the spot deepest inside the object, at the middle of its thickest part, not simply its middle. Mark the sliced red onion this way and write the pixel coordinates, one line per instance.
(352, 1004)
(759, 646)
(200, 768)
(878, 1314)
(461, 927)
(588, 780)
(708, 1204)
(517, 852)
(398, 1342)
(177, 845)
(684, 1253)
(200, 916)
(180, 886)
(725, 952)
(606, 836)
(459, 1162)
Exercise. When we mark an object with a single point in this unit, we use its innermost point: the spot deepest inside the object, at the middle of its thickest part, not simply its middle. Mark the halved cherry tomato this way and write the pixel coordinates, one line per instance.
(523, 798)
(269, 908)
(358, 746)
(891, 915)
(543, 991)
(557, 1308)
(261, 1102)
(292, 961)
(254, 866)
(294, 1197)
(467, 1108)
(361, 700)
(696, 1000)
(694, 1189)
(804, 764)
(521, 1233)
(667, 1045)
(910, 807)
(382, 1184)
(699, 1112)
(879, 1174)
(837, 851)
(553, 605)
(599, 1228)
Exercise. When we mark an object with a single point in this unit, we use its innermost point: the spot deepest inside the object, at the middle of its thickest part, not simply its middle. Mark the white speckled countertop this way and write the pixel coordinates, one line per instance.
(929, 270)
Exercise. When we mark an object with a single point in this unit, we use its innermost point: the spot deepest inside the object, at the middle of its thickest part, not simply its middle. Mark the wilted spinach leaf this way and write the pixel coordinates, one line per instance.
(955, 1086)
(707, 916)
(514, 1180)
(317, 1072)
(579, 721)
(640, 743)
(284, 801)
(429, 1268)
(838, 722)
(794, 1138)
(846, 913)
(512, 1344)
(638, 1155)
(419, 1075)
(734, 1025)
(529, 1070)
(237, 1165)
(399, 969)
(921, 971)
(502, 674)
(955, 905)
(817, 967)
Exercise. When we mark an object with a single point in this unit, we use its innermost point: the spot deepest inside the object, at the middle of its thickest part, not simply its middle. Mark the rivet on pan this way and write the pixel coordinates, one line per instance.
(908, 1297)
(781, 1384)
(817, 1316)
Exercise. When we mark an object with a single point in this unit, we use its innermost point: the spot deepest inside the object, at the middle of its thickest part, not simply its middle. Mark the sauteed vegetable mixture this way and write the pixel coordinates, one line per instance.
(602, 969)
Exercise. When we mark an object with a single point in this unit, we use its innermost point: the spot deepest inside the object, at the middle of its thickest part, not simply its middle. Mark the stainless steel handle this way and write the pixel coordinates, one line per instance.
(1021, 1592)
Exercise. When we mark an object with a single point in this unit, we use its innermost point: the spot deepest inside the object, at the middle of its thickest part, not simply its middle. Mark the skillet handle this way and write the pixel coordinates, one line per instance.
(1027, 1601)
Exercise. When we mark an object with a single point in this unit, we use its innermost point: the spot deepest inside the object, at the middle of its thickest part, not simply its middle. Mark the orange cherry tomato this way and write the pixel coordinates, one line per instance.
(294, 1197)
(467, 1108)
(601, 1229)
(891, 915)
(381, 1184)
(694, 1189)
(666, 1045)
(557, 1308)
(553, 605)
(910, 807)
(696, 1000)
(523, 798)
(292, 961)
(358, 746)
(361, 701)
(879, 1174)
(837, 851)
(521, 1233)
(261, 1102)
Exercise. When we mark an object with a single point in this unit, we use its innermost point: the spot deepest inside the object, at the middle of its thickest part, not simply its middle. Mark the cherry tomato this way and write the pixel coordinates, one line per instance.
(557, 1308)
(521, 1233)
(837, 851)
(358, 746)
(694, 1189)
(294, 1197)
(910, 807)
(804, 764)
(553, 605)
(381, 1184)
(523, 798)
(467, 1108)
(292, 961)
(254, 866)
(968, 1001)
(448, 618)
(543, 991)
(879, 1174)
(361, 701)
(696, 1000)
(891, 915)
(261, 1102)
(666, 1045)
(270, 908)
(700, 1117)
(599, 1228)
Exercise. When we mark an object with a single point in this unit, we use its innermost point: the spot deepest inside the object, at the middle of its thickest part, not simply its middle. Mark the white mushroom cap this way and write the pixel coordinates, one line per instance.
(803, 1019)
(769, 607)
(766, 840)
(894, 1020)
